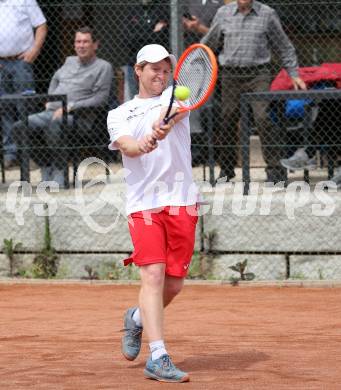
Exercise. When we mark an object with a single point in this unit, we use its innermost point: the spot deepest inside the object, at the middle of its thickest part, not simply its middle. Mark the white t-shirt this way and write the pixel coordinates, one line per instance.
(17, 20)
(164, 176)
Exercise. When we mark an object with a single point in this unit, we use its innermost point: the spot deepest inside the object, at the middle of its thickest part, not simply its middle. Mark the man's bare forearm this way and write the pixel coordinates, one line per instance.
(40, 36)
(132, 147)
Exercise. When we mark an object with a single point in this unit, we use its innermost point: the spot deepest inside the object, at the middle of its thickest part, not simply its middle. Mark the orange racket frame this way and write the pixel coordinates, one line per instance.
(210, 89)
(214, 73)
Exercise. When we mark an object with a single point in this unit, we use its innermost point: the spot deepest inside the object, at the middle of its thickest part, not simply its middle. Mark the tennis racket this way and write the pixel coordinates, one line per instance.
(197, 69)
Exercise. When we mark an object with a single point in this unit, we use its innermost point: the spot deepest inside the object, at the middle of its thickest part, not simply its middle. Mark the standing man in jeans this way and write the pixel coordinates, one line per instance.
(250, 31)
(23, 31)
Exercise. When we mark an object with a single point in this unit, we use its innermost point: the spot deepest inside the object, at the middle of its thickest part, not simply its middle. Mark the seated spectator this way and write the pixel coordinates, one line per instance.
(304, 157)
(86, 80)
(324, 135)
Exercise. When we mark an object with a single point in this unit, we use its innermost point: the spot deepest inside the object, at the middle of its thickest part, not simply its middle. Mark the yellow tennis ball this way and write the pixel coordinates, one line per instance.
(182, 93)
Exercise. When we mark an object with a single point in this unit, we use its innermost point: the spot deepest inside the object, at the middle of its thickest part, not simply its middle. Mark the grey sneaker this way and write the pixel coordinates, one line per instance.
(299, 161)
(337, 177)
(163, 370)
(311, 164)
(131, 340)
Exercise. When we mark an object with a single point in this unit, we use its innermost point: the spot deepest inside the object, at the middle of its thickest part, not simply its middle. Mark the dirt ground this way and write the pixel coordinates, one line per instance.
(68, 337)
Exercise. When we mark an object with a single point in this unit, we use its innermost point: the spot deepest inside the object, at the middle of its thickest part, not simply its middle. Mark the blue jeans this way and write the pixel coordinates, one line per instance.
(15, 77)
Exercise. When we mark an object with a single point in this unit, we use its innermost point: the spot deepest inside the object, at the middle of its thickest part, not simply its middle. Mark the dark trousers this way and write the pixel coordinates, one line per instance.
(236, 81)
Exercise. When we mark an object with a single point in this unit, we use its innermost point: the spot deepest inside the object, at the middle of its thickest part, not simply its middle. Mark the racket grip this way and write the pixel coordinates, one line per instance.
(166, 120)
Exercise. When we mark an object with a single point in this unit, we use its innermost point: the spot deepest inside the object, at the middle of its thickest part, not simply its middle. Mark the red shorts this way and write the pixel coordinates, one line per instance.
(166, 236)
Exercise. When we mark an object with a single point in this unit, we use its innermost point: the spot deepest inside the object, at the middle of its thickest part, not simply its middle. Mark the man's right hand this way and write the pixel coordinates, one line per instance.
(195, 25)
(191, 24)
(29, 56)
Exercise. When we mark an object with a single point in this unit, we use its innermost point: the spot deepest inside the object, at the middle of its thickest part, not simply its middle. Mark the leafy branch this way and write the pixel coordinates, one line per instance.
(10, 248)
(92, 275)
(240, 267)
(45, 263)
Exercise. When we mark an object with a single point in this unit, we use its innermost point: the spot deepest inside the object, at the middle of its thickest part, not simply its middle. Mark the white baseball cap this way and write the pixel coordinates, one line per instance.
(154, 53)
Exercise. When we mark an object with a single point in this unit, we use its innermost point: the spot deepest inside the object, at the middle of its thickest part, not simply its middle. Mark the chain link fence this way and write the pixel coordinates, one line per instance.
(290, 147)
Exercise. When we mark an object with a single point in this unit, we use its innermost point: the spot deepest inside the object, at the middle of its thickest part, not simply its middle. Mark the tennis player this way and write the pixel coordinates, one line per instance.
(161, 204)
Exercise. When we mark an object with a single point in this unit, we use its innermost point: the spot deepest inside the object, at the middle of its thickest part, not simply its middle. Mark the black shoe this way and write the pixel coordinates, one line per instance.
(225, 175)
(11, 164)
(277, 179)
(276, 175)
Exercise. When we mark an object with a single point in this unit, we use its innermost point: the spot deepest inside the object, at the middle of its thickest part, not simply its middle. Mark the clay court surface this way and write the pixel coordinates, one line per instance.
(67, 337)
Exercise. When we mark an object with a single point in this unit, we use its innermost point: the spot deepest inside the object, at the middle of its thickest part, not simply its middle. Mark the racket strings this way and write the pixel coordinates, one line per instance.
(196, 73)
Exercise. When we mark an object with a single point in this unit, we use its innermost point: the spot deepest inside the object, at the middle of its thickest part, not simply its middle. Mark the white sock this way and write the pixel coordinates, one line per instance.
(137, 317)
(157, 348)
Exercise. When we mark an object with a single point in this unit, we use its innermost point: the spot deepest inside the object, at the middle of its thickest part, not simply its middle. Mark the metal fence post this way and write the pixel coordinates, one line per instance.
(211, 161)
(176, 28)
(245, 123)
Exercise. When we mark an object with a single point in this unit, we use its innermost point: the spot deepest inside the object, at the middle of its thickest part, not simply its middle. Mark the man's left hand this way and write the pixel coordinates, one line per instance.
(161, 130)
(159, 26)
(298, 83)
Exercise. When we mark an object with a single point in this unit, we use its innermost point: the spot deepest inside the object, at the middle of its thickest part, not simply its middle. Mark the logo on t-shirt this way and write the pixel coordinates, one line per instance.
(142, 113)
(135, 116)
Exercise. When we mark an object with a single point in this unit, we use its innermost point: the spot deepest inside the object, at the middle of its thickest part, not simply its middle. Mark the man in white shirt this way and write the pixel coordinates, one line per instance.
(23, 31)
(161, 204)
